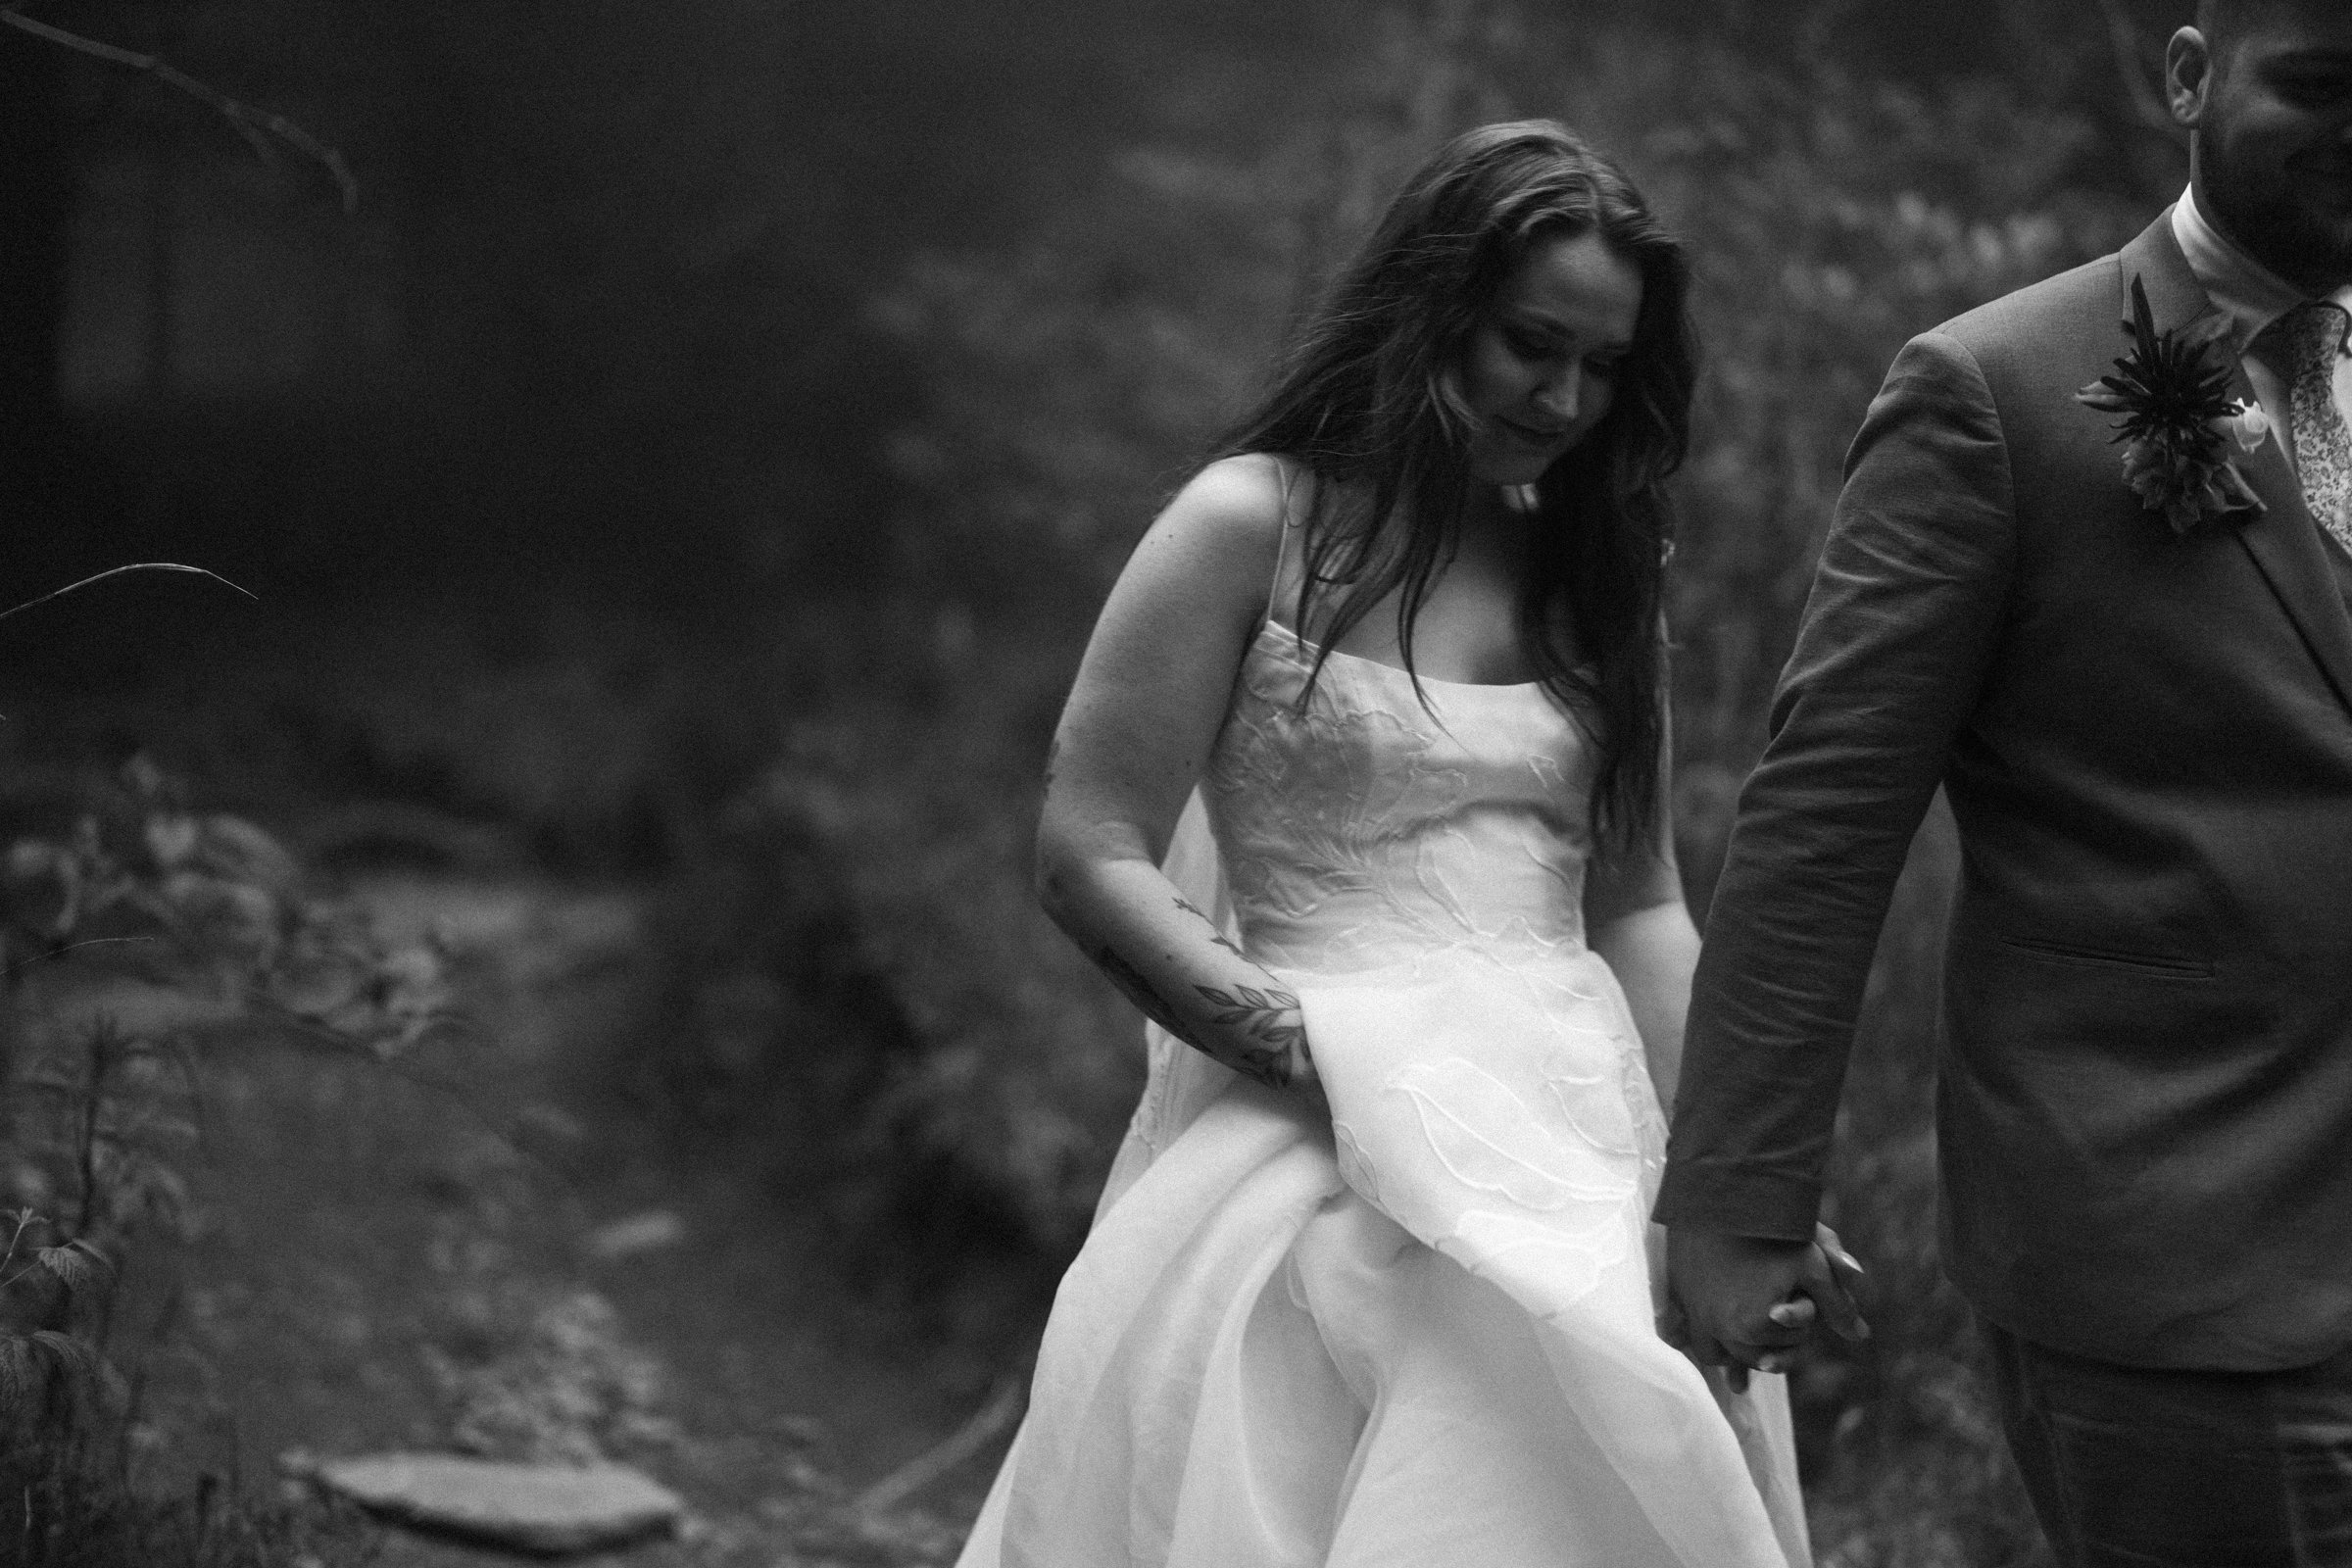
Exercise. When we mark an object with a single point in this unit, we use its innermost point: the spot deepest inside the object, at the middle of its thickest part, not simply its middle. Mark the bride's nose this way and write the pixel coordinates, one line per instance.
(1561, 395)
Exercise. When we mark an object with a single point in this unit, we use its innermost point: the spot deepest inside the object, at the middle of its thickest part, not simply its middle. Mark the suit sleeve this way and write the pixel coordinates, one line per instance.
(1906, 609)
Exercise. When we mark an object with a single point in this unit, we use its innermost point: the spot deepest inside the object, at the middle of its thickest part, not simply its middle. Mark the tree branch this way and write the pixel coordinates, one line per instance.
(1004, 1408)
(255, 125)
(117, 572)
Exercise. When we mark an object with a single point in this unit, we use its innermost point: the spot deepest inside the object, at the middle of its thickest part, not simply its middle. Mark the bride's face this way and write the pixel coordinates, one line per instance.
(1541, 369)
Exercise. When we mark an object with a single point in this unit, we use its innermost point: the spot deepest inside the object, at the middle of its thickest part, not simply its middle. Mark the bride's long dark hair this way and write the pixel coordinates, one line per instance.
(1369, 402)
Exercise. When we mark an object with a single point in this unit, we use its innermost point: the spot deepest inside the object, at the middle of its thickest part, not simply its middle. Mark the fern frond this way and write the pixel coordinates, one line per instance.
(79, 1359)
(68, 1267)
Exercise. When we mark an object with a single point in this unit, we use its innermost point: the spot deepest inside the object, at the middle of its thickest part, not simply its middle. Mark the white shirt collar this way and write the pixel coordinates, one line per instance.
(2241, 287)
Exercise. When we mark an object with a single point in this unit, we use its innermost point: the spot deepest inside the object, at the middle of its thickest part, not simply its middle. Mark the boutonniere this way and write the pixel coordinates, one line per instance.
(2179, 419)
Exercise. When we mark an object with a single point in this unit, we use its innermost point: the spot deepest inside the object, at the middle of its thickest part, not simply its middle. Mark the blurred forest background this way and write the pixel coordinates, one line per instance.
(694, 466)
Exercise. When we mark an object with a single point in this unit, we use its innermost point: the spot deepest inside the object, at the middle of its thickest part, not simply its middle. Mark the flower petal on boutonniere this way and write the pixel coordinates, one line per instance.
(2236, 494)
(2249, 426)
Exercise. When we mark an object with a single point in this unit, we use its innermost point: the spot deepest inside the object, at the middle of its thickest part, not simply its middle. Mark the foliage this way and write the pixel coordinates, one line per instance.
(131, 937)
(69, 1508)
(64, 1451)
(915, 808)
(212, 907)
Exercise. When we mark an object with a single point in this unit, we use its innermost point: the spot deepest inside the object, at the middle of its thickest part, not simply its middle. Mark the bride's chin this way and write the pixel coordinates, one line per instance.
(1505, 474)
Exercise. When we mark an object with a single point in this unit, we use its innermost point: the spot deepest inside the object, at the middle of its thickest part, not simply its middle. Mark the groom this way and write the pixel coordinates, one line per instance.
(2146, 734)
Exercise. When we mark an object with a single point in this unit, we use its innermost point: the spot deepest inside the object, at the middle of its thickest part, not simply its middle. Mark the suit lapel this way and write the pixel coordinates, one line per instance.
(2284, 541)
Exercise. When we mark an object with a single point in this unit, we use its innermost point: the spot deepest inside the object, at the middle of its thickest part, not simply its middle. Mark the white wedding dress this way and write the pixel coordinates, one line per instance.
(1420, 1336)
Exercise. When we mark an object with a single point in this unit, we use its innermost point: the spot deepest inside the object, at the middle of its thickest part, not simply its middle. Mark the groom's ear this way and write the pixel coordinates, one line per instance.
(2187, 77)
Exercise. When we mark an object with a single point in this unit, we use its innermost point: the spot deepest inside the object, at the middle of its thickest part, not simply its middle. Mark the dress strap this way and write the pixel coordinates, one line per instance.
(1282, 545)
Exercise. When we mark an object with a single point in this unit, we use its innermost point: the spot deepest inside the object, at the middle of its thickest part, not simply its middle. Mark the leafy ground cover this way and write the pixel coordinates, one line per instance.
(421, 1253)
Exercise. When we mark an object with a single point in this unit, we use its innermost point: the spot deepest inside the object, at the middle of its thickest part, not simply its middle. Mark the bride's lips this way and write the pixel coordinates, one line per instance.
(1529, 434)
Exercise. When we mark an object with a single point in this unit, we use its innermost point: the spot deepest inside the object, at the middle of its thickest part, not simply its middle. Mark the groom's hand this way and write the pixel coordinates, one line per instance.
(1742, 1302)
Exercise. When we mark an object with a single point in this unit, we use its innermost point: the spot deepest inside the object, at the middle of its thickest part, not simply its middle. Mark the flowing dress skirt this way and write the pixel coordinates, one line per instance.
(1419, 1334)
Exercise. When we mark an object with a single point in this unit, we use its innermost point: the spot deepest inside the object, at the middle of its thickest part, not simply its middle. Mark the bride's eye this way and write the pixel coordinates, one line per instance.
(1525, 344)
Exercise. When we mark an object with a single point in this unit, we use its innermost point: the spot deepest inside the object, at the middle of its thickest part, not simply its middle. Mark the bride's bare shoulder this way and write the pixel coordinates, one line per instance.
(1224, 527)
(1247, 494)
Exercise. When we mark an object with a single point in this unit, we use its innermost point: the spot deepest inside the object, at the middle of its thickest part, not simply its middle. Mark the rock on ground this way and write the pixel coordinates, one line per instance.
(536, 1507)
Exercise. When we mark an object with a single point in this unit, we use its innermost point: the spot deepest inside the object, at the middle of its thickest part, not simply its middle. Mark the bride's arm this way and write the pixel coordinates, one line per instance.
(1636, 919)
(1150, 698)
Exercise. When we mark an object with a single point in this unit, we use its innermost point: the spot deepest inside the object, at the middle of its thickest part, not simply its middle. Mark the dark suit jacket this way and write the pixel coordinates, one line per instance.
(2146, 1103)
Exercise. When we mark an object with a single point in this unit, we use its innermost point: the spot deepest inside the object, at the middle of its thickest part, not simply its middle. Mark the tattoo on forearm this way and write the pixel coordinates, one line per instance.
(1138, 990)
(1268, 1024)
(1260, 1027)
(1215, 935)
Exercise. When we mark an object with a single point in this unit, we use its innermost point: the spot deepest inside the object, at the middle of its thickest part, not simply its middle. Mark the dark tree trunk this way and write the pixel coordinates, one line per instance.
(35, 203)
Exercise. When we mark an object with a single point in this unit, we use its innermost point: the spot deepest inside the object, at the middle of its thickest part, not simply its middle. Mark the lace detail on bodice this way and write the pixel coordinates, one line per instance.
(1365, 830)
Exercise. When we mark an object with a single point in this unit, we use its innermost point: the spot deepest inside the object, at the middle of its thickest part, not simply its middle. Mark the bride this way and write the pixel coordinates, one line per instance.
(1359, 796)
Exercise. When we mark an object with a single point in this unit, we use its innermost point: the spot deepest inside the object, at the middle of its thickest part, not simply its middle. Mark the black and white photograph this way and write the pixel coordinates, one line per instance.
(1176, 783)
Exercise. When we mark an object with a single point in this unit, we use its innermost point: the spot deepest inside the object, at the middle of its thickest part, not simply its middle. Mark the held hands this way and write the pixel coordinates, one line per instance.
(1743, 1302)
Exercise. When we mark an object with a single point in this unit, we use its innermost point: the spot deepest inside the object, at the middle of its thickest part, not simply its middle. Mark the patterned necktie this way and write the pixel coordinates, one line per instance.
(2315, 333)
